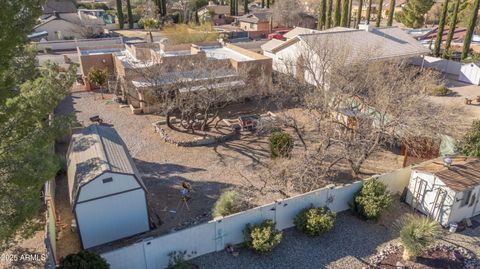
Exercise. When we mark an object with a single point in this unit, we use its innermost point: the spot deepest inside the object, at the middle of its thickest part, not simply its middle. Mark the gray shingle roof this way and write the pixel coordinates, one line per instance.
(256, 17)
(93, 151)
(61, 6)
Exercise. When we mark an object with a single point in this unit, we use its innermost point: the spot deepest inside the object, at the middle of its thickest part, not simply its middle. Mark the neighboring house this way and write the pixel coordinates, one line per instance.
(373, 12)
(59, 6)
(107, 194)
(93, 17)
(134, 64)
(430, 37)
(447, 191)
(60, 26)
(255, 22)
(370, 42)
(217, 14)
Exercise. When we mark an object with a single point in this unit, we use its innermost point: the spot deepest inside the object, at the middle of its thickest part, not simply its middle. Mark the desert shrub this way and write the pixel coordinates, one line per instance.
(371, 200)
(262, 237)
(228, 203)
(416, 233)
(440, 90)
(83, 259)
(281, 144)
(470, 144)
(315, 221)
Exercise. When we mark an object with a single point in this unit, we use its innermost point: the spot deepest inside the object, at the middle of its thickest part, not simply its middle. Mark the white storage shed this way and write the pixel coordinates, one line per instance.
(107, 194)
(446, 190)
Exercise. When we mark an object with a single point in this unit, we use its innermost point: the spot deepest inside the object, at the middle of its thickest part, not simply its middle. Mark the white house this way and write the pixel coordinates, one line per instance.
(342, 44)
(448, 191)
(107, 194)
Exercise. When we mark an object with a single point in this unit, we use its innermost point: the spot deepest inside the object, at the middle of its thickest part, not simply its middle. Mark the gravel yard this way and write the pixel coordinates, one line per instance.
(349, 245)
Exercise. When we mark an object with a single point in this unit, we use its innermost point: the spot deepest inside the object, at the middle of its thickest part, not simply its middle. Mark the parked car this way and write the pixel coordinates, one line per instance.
(278, 35)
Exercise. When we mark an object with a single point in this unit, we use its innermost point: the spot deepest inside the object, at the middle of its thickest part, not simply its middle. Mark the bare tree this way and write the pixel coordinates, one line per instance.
(287, 13)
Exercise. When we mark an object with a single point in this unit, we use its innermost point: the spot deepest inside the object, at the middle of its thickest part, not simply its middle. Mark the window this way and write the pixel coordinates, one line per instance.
(472, 201)
(466, 197)
(252, 25)
(107, 180)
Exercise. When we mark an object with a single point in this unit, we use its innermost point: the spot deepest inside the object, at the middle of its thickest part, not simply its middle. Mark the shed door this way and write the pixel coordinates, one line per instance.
(419, 194)
(476, 211)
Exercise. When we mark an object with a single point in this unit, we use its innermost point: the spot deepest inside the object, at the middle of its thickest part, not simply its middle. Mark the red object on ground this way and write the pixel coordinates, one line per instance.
(278, 34)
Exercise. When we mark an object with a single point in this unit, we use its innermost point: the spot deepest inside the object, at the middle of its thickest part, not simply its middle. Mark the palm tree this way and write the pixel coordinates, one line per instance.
(121, 19)
(130, 15)
(390, 13)
(416, 233)
(359, 14)
(321, 15)
(441, 26)
(344, 14)
(471, 27)
(336, 14)
(379, 12)
(451, 30)
(369, 11)
(328, 18)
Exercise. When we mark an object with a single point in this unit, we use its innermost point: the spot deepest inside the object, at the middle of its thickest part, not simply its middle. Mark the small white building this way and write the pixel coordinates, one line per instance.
(107, 194)
(446, 192)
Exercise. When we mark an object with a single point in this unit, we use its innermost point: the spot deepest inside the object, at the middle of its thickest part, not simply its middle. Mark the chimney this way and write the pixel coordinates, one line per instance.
(365, 27)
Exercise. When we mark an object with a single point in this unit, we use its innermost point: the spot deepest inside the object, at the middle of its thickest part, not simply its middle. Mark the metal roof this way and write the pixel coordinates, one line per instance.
(93, 151)
(462, 174)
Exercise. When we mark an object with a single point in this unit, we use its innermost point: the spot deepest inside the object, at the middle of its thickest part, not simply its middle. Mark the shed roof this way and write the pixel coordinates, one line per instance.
(93, 151)
(464, 172)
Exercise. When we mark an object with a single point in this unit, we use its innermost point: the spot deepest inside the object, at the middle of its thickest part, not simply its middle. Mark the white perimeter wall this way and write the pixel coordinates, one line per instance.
(113, 217)
(442, 65)
(73, 44)
(214, 235)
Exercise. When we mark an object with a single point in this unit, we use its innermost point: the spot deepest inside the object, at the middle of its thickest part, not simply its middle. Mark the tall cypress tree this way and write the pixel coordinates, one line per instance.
(232, 10)
(391, 11)
(359, 14)
(344, 13)
(164, 7)
(263, 3)
(121, 19)
(470, 29)
(321, 15)
(245, 6)
(328, 17)
(379, 13)
(451, 30)
(441, 26)
(268, 3)
(350, 6)
(336, 14)
(130, 15)
(369, 11)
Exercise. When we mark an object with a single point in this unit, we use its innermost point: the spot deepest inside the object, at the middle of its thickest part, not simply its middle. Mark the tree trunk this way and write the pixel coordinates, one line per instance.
(121, 19)
(369, 11)
(337, 16)
(441, 26)
(344, 13)
(379, 13)
(321, 15)
(451, 30)
(391, 11)
(130, 15)
(359, 15)
(471, 27)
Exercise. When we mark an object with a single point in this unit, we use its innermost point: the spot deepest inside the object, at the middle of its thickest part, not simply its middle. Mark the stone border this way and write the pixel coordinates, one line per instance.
(196, 142)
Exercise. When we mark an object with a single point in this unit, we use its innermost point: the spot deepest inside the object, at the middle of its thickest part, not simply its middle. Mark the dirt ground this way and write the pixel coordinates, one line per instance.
(164, 167)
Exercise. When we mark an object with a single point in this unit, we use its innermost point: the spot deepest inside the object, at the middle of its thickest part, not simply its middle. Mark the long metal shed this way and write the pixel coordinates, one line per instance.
(107, 194)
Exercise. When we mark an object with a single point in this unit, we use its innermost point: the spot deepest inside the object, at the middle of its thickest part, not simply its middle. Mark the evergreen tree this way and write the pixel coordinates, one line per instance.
(471, 27)
(369, 11)
(263, 3)
(413, 13)
(130, 15)
(121, 19)
(379, 13)
(451, 30)
(321, 15)
(344, 13)
(328, 17)
(350, 6)
(268, 3)
(441, 27)
(359, 14)
(245, 6)
(336, 14)
(391, 11)
(164, 7)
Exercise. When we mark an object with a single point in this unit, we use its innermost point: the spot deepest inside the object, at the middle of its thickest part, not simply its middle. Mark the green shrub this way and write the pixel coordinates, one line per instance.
(470, 144)
(416, 233)
(83, 259)
(228, 203)
(263, 237)
(371, 200)
(315, 221)
(440, 90)
(281, 144)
